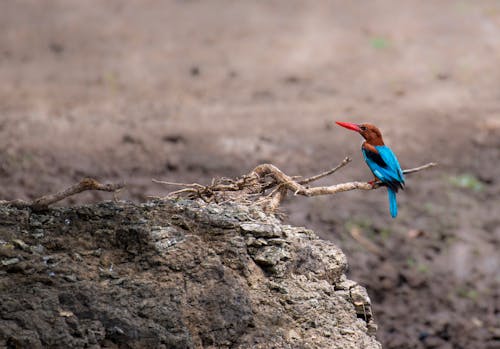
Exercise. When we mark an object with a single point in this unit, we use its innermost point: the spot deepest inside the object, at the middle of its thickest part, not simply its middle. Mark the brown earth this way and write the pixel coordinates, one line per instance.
(189, 90)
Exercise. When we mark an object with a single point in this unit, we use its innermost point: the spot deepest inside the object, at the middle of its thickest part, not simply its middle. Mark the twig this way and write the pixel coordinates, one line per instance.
(420, 168)
(45, 201)
(276, 199)
(178, 184)
(185, 190)
(327, 173)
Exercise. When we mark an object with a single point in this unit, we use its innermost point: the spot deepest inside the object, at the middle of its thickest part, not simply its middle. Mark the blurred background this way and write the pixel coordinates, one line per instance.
(190, 90)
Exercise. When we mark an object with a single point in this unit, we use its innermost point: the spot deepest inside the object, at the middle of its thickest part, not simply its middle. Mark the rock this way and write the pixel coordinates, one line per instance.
(10, 261)
(20, 244)
(270, 256)
(362, 305)
(261, 230)
(175, 274)
(7, 251)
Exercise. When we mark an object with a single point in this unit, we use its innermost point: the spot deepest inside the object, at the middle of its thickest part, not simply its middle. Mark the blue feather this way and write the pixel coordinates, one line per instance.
(393, 204)
(385, 166)
(392, 161)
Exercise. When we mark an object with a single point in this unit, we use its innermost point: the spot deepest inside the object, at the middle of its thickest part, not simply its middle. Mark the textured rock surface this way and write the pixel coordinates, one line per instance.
(173, 275)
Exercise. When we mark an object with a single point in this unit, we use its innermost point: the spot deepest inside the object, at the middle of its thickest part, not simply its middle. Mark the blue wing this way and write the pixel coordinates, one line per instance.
(385, 165)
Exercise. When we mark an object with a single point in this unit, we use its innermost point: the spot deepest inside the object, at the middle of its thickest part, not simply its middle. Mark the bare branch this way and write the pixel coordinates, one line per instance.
(298, 189)
(337, 188)
(247, 189)
(178, 184)
(251, 188)
(327, 173)
(420, 168)
(276, 199)
(45, 201)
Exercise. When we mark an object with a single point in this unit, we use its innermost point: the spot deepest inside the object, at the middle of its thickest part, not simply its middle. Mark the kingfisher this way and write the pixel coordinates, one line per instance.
(381, 160)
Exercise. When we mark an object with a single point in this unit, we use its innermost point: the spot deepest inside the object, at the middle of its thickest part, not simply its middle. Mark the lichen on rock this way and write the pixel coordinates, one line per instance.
(174, 274)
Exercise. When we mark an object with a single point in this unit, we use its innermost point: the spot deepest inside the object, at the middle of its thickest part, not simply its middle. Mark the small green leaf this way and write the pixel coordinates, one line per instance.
(423, 268)
(464, 292)
(467, 181)
(379, 43)
(385, 233)
(410, 262)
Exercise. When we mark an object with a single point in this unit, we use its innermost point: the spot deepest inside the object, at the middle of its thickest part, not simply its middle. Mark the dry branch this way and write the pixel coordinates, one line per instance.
(250, 188)
(326, 173)
(268, 177)
(45, 201)
(420, 168)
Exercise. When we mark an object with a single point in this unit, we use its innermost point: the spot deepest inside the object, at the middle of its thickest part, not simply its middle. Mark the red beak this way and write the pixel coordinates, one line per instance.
(348, 125)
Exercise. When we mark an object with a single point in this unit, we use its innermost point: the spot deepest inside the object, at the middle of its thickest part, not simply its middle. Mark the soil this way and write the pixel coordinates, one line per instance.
(190, 90)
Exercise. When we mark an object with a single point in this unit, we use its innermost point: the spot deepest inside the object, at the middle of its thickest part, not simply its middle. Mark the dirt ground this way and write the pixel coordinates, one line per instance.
(190, 90)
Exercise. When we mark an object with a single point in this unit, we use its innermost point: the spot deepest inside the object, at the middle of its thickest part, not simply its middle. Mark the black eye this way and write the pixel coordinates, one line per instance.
(363, 128)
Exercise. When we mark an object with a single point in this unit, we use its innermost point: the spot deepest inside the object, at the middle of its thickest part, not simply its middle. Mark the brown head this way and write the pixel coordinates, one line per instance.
(368, 131)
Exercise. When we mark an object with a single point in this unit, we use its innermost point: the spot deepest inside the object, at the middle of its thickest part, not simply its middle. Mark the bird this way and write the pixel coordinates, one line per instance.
(381, 160)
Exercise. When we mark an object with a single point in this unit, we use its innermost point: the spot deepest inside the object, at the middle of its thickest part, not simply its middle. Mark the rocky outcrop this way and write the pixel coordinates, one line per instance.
(173, 274)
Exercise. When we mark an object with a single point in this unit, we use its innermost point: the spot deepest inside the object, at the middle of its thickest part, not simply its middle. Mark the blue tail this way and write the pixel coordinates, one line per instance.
(393, 204)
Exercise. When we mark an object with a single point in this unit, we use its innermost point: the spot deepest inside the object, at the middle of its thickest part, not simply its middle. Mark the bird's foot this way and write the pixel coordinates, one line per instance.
(373, 183)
